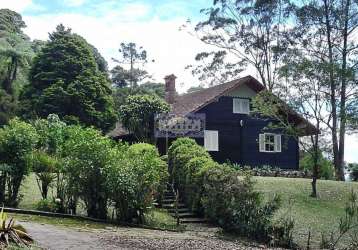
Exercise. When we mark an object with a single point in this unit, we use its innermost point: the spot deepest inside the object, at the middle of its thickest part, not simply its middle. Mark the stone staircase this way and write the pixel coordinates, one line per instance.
(184, 214)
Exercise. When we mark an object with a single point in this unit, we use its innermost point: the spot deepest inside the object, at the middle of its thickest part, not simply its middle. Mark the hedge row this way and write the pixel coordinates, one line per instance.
(223, 195)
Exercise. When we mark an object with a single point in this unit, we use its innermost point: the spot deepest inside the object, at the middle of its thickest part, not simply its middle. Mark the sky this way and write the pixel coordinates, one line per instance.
(153, 24)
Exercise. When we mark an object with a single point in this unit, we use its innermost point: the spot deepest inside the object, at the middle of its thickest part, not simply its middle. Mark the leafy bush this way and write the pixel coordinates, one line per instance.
(86, 156)
(224, 196)
(48, 206)
(353, 171)
(45, 168)
(232, 202)
(180, 153)
(137, 114)
(137, 175)
(326, 168)
(16, 143)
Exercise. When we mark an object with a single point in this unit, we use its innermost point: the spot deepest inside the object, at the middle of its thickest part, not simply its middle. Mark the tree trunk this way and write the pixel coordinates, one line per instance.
(332, 83)
(342, 110)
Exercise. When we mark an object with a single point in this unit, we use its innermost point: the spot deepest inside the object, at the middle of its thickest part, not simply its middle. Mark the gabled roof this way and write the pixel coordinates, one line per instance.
(192, 102)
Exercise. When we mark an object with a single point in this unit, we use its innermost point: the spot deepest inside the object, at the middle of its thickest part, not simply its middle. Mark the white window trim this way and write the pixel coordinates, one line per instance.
(236, 110)
(215, 146)
(277, 143)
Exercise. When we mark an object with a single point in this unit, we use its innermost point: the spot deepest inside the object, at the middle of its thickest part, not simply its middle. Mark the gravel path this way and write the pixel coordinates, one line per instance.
(53, 237)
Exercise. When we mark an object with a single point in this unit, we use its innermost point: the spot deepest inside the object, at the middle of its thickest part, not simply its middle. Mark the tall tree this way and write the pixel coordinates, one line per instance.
(304, 94)
(328, 28)
(66, 80)
(16, 54)
(244, 33)
(130, 55)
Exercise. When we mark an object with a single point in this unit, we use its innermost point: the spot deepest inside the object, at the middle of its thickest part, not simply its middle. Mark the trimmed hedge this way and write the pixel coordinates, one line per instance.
(222, 194)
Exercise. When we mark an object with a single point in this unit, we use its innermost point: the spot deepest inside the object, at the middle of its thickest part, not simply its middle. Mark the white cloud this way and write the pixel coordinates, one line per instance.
(15, 5)
(74, 3)
(172, 49)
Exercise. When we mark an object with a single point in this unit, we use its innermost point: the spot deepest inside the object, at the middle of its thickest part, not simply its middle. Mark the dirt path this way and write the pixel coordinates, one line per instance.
(53, 237)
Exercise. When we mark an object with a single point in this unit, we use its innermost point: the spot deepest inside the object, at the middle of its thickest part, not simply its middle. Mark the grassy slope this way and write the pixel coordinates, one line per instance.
(317, 215)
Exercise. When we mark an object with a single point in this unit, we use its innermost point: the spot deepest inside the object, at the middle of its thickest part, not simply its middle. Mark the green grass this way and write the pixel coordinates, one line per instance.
(63, 222)
(30, 193)
(310, 214)
(159, 218)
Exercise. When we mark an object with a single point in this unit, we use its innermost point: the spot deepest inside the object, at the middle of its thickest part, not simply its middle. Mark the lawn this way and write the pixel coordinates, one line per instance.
(310, 214)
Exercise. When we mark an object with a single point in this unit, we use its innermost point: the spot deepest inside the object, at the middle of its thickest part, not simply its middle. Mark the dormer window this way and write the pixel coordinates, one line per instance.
(241, 106)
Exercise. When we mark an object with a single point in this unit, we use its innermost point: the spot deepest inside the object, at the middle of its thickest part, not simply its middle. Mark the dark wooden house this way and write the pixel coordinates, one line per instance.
(231, 133)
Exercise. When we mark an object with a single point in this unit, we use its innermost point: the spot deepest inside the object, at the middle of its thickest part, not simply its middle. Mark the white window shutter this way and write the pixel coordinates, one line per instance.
(277, 143)
(211, 140)
(262, 142)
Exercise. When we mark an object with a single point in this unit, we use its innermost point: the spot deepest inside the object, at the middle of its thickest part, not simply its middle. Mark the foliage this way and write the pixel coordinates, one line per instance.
(180, 153)
(325, 166)
(16, 54)
(47, 206)
(137, 115)
(120, 94)
(225, 197)
(9, 232)
(45, 168)
(86, 155)
(66, 80)
(233, 203)
(353, 171)
(138, 175)
(242, 33)
(130, 55)
(348, 224)
(16, 143)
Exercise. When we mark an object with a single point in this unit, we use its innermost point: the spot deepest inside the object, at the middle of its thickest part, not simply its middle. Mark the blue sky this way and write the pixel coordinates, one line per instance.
(153, 24)
(164, 9)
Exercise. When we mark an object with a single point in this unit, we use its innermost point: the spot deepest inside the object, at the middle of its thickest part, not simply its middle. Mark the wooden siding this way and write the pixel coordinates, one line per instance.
(238, 143)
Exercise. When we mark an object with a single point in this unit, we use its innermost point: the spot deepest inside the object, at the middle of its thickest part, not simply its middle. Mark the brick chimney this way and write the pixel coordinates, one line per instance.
(170, 92)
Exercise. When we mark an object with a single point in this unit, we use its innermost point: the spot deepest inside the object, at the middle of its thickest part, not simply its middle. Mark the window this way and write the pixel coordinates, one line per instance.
(270, 142)
(211, 140)
(241, 106)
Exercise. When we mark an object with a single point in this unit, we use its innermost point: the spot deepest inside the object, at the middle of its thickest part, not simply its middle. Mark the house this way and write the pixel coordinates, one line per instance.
(231, 133)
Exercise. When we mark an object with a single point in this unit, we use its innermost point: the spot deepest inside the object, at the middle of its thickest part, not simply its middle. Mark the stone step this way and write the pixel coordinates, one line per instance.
(180, 210)
(168, 201)
(184, 215)
(171, 206)
(193, 220)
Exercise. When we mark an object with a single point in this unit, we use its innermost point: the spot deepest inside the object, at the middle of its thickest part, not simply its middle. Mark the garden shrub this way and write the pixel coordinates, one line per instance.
(225, 195)
(180, 153)
(231, 201)
(137, 175)
(48, 206)
(326, 168)
(17, 141)
(86, 155)
(353, 171)
(45, 168)
(194, 180)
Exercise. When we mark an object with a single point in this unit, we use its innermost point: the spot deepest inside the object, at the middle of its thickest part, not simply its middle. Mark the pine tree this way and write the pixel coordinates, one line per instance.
(66, 80)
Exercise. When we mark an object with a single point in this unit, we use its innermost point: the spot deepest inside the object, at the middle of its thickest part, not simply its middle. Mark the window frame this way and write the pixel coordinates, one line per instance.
(277, 143)
(239, 102)
(211, 149)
